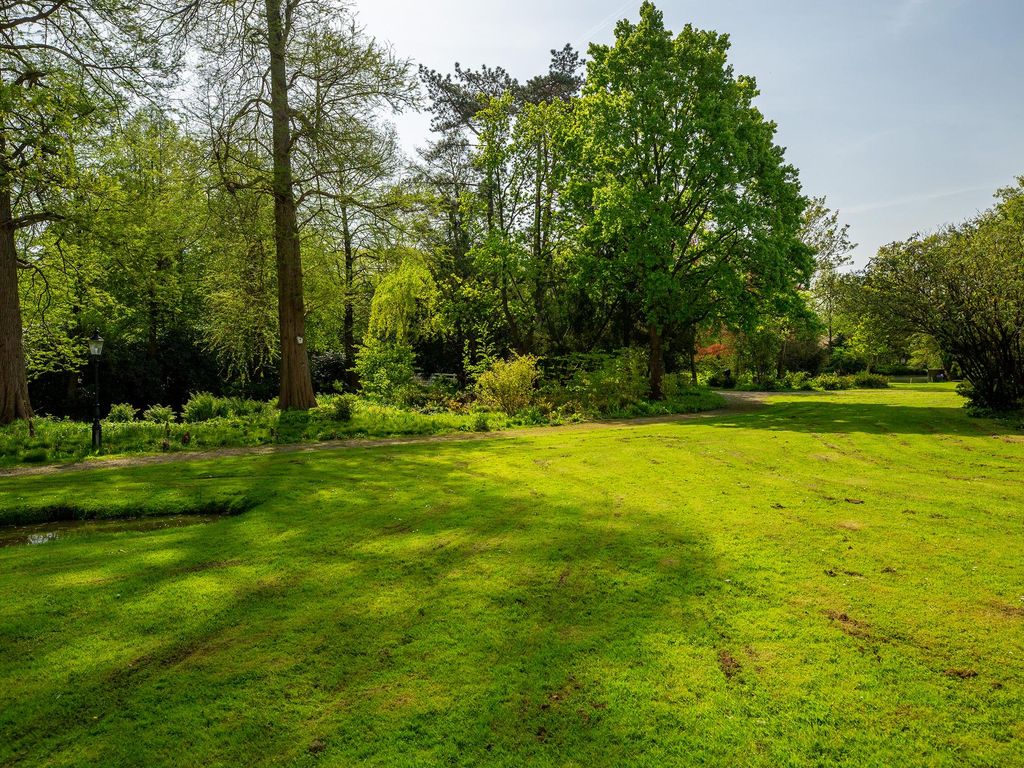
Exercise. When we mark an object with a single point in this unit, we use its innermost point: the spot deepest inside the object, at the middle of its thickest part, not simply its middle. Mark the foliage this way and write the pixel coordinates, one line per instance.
(866, 380)
(799, 380)
(604, 384)
(337, 407)
(508, 385)
(121, 413)
(831, 382)
(204, 406)
(159, 414)
(963, 287)
(385, 370)
(685, 183)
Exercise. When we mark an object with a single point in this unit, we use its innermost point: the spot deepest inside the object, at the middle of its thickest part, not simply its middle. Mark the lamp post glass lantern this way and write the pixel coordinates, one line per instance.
(95, 350)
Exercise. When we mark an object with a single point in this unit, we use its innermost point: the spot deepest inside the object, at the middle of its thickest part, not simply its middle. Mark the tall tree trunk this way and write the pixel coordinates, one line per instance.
(14, 402)
(657, 362)
(296, 383)
(349, 329)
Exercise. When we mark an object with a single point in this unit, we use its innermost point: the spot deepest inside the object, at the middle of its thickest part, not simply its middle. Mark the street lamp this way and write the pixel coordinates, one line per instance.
(95, 350)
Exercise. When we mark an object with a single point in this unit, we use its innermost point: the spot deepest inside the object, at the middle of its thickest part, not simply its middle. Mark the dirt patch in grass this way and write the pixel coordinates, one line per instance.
(850, 525)
(728, 664)
(849, 626)
(1014, 611)
(960, 673)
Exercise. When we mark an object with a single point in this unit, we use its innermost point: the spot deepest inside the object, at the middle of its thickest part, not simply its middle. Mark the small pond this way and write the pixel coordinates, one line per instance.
(44, 533)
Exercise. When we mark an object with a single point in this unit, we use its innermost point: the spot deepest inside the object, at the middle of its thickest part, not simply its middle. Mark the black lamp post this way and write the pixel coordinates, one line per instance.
(95, 350)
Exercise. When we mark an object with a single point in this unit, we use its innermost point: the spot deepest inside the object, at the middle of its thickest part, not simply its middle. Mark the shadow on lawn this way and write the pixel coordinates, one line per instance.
(384, 603)
(822, 415)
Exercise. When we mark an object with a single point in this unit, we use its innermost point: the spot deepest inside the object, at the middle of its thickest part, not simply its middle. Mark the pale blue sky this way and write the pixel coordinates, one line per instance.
(906, 114)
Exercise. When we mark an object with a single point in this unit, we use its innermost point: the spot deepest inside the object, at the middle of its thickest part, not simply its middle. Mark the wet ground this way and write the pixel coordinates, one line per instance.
(45, 533)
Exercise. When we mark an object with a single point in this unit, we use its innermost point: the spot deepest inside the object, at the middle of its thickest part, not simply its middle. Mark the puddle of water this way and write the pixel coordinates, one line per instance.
(44, 533)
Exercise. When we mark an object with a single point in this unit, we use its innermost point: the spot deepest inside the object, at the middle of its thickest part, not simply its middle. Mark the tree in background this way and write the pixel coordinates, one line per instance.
(964, 287)
(63, 64)
(683, 176)
(286, 83)
(830, 242)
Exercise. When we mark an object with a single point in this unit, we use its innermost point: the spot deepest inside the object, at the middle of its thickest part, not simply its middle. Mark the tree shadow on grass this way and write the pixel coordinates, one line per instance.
(385, 604)
(823, 415)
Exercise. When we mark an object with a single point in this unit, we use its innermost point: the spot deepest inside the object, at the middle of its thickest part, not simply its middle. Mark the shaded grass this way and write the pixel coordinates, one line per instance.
(832, 580)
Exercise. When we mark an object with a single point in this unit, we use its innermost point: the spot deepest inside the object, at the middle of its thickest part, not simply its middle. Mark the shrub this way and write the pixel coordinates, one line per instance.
(122, 413)
(606, 384)
(867, 380)
(159, 414)
(203, 406)
(745, 382)
(508, 384)
(339, 408)
(830, 382)
(799, 380)
(480, 423)
(242, 408)
(385, 370)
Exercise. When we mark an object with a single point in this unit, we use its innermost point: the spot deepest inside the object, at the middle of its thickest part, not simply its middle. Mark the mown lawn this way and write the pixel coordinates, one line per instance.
(835, 579)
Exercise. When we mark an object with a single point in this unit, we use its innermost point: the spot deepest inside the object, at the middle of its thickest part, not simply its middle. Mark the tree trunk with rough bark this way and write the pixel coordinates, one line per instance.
(14, 401)
(296, 383)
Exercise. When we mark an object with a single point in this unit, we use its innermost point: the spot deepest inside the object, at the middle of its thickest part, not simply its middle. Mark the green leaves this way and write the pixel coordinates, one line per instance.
(688, 184)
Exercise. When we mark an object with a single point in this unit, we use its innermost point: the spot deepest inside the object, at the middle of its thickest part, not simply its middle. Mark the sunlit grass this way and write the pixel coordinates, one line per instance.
(835, 579)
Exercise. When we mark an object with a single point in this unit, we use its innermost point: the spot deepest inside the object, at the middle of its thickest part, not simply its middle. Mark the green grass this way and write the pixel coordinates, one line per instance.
(835, 579)
(61, 441)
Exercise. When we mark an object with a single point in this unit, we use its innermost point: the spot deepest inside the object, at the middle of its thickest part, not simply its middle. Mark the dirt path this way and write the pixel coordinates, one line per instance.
(736, 402)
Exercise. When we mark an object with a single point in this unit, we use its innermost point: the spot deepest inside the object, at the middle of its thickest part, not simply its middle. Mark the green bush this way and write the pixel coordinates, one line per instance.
(203, 406)
(159, 414)
(34, 456)
(122, 413)
(243, 408)
(799, 380)
(867, 380)
(745, 382)
(337, 407)
(385, 370)
(481, 423)
(830, 382)
(508, 385)
(605, 385)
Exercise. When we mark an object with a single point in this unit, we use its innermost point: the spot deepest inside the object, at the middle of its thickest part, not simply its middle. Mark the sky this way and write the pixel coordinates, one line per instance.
(905, 114)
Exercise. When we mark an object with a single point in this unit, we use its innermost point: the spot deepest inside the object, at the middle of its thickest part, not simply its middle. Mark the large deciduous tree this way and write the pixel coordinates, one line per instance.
(681, 173)
(60, 62)
(964, 287)
(286, 82)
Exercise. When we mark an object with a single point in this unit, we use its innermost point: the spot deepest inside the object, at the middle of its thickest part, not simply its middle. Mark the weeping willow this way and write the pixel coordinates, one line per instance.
(403, 302)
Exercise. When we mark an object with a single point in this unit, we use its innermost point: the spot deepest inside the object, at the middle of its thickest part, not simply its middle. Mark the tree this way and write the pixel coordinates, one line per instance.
(61, 62)
(830, 242)
(126, 257)
(286, 81)
(681, 173)
(964, 286)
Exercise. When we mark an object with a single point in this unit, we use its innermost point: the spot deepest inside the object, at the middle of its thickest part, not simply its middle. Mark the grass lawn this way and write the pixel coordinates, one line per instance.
(835, 579)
